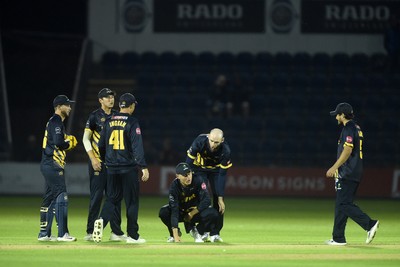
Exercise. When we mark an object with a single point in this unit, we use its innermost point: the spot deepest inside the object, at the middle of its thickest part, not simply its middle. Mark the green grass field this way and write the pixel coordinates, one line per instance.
(257, 232)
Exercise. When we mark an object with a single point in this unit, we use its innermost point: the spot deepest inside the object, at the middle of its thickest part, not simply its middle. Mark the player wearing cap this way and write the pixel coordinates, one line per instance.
(210, 158)
(55, 199)
(347, 172)
(189, 202)
(121, 150)
(97, 170)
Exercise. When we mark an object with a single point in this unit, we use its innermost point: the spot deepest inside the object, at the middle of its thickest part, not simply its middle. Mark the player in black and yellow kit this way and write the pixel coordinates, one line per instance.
(97, 170)
(210, 158)
(347, 172)
(55, 199)
(189, 202)
(121, 150)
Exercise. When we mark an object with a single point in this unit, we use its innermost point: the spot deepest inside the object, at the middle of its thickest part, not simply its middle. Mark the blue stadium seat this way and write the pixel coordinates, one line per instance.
(145, 79)
(245, 59)
(168, 58)
(340, 61)
(187, 59)
(111, 59)
(378, 61)
(302, 61)
(359, 61)
(264, 60)
(149, 60)
(225, 58)
(359, 81)
(321, 61)
(283, 60)
(300, 80)
(130, 59)
(280, 80)
(206, 59)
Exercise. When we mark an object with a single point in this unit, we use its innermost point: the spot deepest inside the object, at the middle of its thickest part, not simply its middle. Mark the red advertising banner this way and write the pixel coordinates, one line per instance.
(259, 181)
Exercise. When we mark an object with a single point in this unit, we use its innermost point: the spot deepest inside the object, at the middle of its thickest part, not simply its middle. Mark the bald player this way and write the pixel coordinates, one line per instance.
(210, 158)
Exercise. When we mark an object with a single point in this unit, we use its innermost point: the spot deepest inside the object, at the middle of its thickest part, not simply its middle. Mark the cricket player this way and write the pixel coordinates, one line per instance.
(189, 202)
(210, 158)
(121, 148)
(347, 172)
(97, 170)
(55, 199)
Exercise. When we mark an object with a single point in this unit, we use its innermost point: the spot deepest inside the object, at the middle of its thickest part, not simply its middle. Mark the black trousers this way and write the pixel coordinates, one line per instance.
(206, 220)
(345, 208)
(123, 186)
(212, 179)
(55, 187)
(98, 186)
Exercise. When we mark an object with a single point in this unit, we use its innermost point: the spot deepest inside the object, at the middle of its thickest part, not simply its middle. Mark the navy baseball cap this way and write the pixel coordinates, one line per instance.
(62, 100)
(105, 92)
(344, 108)
(183, 169)
(126, 100)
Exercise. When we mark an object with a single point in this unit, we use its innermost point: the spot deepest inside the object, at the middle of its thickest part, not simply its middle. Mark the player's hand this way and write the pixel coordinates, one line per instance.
(72, 142)
(96, 164)
(145, 174)
(331, 173)
(221, 205)
(188, 217)
(175, 234)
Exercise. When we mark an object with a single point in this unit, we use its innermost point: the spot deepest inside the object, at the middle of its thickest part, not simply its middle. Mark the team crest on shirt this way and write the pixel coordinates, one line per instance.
(203, 186)
(138, 130)
(349, 139)
(58, 130)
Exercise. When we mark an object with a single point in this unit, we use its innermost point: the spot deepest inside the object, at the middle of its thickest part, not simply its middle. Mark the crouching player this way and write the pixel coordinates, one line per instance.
(189, 202)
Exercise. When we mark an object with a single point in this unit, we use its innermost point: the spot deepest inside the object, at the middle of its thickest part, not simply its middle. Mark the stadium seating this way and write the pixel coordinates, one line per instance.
(290, 99)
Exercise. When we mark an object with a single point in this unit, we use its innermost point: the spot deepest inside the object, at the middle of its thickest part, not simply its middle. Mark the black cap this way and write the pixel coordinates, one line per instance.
(105, 92)
(183, 169)
(344, 108)
(62, 100)
(126, 100)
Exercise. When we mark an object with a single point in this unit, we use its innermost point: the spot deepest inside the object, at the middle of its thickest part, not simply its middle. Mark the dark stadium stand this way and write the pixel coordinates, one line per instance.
(289, 122)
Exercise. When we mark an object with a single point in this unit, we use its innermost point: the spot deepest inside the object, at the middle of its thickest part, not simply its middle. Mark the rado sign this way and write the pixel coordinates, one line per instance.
(214, 11)
(346, 16)
(171, 16)
(356, 13)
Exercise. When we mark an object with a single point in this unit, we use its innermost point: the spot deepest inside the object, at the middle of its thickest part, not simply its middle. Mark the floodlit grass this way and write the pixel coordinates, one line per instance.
(257, 232)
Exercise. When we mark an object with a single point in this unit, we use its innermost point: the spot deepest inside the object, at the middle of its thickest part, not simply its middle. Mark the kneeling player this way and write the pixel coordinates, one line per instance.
(189, 202)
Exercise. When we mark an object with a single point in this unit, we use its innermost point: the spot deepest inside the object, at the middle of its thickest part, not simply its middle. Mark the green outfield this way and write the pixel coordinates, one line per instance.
(257, 232)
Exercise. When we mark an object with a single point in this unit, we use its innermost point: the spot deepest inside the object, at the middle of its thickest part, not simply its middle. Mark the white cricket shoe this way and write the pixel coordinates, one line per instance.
(66, 238)
(88, 237)
(130, 240)
(206, 237)
(98, 230)
(195, 234)
(47, 238)
(170, 239)
(372, 232)
(216, 239)
(332, 242)
(115, 237)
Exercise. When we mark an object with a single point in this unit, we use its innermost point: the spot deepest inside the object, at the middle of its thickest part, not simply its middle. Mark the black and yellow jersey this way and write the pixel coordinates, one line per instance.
(183, 198)
(95, 124)
(121, 144)
(351, 136)
(202, 157)
(54, 143)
